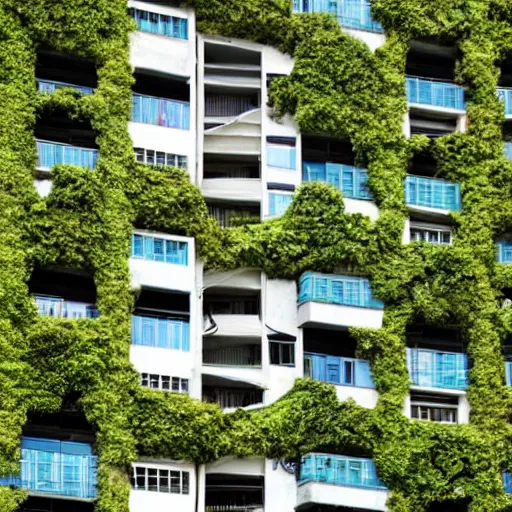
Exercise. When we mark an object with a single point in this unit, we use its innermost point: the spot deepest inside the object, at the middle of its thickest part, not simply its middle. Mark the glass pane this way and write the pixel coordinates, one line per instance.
(166, 382)
(175, 482)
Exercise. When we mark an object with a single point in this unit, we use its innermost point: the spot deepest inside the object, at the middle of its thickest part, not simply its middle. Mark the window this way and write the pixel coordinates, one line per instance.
(160, 480)
(281, 152)
(282, 353)
(159, 249)
(432, 407)
(170, 26)
(433, 235)
(152, 157)
(278, 203)
(163, 382)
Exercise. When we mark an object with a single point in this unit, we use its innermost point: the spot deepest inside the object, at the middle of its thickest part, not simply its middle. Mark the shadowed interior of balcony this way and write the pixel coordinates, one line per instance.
(451, 506)
(431, 124)
(330, 356)
(161, 319)
(437, 357)
(57, 456)
(63, 293)
(39, 504)
(161, 100)
(228, 393)
(61, 140)
(231, 214)
(234, 493)
(57, 70)
(232, 81)
(231, 166)
(232, 351)
(334, 161)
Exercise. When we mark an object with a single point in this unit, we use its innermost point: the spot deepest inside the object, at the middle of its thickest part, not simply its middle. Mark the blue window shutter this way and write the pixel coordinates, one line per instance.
(363, 375)
(148, 331)
(137, 246)
(40, 444)
(148, 247)
(334, 172)
(333, 369)
(508, 368)
(185, 337)
(72, 448)
(319, 368)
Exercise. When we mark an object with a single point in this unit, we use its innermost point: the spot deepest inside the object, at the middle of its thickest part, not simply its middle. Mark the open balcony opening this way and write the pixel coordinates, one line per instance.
(55, 71)
(424, 164)
(161, 100)
(231, 166)
(162, 319)
(232, 351)
(234, 493)
(61, 140)
(63, 293)
(333, 161)
(451, 505)
(229, 215)
(224, 301)
(330, 356)
(38, 504)
(434, 407)
(431, 125)
(230, 394)
(437, 357)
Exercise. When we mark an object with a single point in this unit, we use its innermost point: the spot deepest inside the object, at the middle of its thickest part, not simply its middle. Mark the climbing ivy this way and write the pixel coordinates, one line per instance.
(338, 87)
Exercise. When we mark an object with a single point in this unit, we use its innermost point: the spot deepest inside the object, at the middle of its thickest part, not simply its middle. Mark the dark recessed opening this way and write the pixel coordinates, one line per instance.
(69, 69)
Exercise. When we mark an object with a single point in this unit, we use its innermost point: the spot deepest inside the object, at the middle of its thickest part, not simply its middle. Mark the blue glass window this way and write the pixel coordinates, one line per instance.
(281, 156)
(158, 332)
(159, 249)
(170, 26)
(278, 203)
(52, 86)
(432, 193)
(426, 91)
(160, 112)
(337, 289)
(504, 251)
(505, 95)
(51, 153)
(351, 181)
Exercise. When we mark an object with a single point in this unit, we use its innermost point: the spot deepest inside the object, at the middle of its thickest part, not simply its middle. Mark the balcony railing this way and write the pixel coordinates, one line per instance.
(505, 95)
(234, 508)
(170, 26)
(350, 13)
(233, 356)
(227, 217)
(58, 307)
(57, 469)
(433, 369)
(432, 193)
(159, 249)
(157, 332)
(232, 398)
(337, 289)
(351, 181)
(339, 470)
(52, 86)
(224, 105)
(344, 371)
(504, 252)
(426, 91)
(52, 153)
(160, 112)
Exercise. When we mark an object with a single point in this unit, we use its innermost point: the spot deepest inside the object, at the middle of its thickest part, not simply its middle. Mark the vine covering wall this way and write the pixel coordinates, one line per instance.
(338, 87)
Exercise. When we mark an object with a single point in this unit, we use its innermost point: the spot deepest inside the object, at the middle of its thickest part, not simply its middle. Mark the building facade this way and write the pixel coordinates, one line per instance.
(256, 257)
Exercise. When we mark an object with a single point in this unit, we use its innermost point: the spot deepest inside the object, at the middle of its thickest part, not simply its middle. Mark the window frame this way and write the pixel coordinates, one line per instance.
(139, 471)
(281, 344)
(172, 159)
(147, 379)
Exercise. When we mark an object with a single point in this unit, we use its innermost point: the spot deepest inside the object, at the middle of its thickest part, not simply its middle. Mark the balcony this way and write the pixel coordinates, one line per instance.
(508, 150)
(52, 85)
(504, 252)
(354, 14)
(436, 94)
(169, 26)
(440, 370)
(60, 308)
(160, 112)
(431, 194)
(53, 468)
(162, 261)
(337, 300)
(232, 189)
(351, 181)
(505, 95)
(52, 153)
(324, 480)
(168, 333)
(228, 217)
(232, 398)
(248, 326)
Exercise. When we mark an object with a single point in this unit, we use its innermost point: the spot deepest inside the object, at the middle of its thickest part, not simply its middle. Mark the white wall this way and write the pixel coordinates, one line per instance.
(161, 53)
(365, 397)
(280, 489)
(43, 187)
(142, 501)
(339, 316)
(372, 39)
(250, 466)
(368, 208)
(342, 496)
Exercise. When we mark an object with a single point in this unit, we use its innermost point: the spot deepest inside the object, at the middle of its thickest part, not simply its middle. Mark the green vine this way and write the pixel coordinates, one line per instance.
(340, 88)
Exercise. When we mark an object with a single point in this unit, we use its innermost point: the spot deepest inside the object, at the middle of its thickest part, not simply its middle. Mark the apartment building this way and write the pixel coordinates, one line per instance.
(239, 338)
